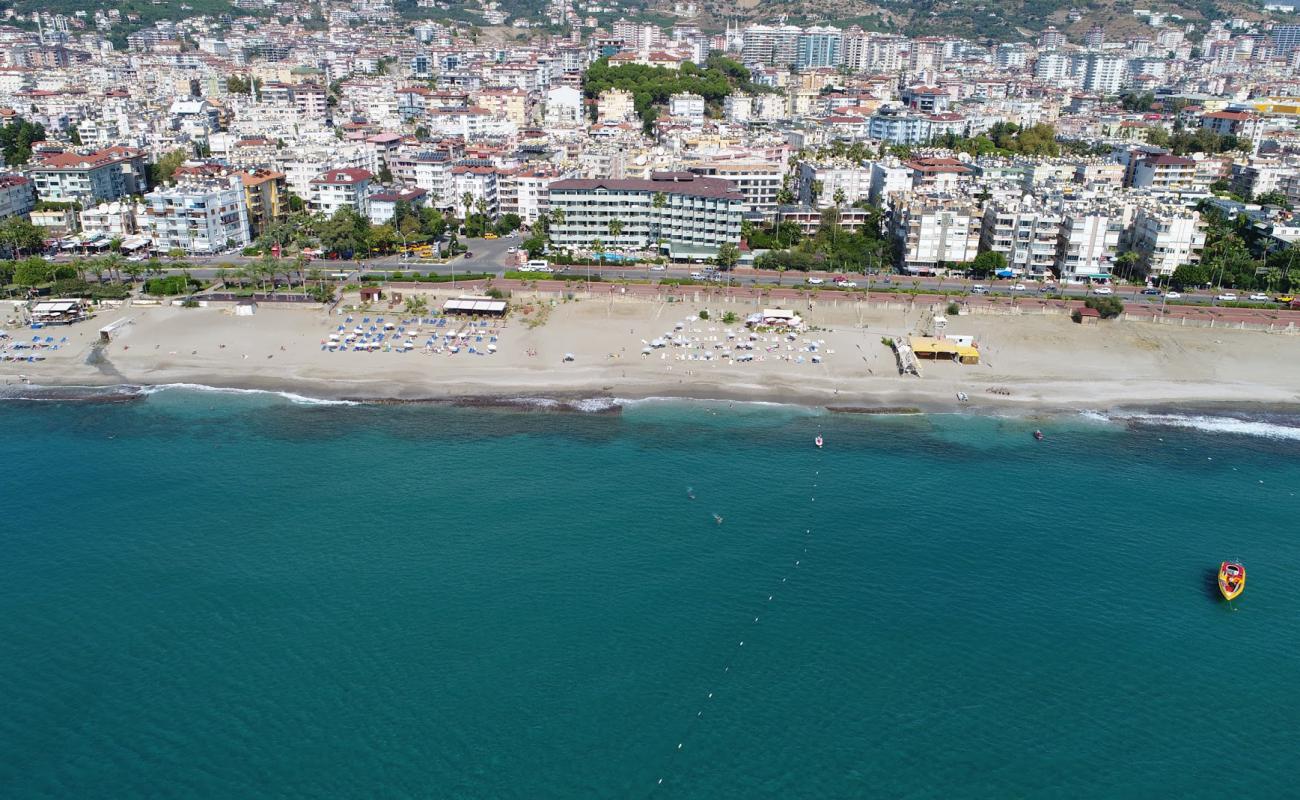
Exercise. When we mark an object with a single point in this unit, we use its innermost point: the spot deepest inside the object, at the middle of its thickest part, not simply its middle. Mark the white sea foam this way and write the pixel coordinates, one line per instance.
(1208, 424)
(657, 400)
(1096, 416)
(292, 397)
(594, 405)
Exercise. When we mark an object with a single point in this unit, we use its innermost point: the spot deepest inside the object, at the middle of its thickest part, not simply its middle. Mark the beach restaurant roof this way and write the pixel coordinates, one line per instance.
(474, 305)
(930, 347)
(63, 310)
(780, 316)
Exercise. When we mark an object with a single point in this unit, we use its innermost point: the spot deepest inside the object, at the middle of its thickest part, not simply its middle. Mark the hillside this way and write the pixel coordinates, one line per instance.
(1002, 20)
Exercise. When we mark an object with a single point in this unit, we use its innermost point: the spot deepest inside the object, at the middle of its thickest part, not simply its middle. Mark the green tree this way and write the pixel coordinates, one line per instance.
(33, 272)
(1108, 306)
(18, 235)
(467, 200)
(1129, 263)
(166, 167)
(1188, 276)
(1274, 199)
(16, 138)
(509, 223)
(988, 263)
(345, 233)
(728, 256)
(74, 136)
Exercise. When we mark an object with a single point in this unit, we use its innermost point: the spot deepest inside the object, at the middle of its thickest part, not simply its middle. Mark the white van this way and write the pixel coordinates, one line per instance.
(537, 265)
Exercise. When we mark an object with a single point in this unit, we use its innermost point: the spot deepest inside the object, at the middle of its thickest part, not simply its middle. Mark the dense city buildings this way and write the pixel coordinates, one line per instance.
(1067, 151)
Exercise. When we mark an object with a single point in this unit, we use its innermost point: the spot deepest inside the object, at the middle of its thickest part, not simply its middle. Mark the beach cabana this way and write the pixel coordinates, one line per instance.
(475, 305)
(782, 317)
(932, 348)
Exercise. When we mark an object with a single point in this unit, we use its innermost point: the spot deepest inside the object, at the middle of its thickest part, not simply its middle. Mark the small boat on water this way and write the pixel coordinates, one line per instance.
(818, 441)
(1232, 579)
(1038, 435)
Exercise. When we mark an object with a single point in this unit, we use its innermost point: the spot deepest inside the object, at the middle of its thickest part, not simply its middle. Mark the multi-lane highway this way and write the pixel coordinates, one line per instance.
(490, 256)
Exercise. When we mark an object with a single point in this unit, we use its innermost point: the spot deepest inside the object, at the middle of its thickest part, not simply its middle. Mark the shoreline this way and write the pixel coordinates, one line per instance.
(589, 355)
(558, 400)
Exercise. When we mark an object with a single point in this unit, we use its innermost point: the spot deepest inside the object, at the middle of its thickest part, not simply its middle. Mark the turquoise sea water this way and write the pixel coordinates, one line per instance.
(207, 595)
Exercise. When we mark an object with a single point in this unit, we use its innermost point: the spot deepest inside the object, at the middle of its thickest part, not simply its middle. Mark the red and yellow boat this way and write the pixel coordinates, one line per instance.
(1232, 579)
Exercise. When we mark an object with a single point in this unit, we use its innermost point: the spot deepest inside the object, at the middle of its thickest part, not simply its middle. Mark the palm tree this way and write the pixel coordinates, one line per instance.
(222, 275)
(597, 247)
(467, 200)
(113, 263)
(615, 228)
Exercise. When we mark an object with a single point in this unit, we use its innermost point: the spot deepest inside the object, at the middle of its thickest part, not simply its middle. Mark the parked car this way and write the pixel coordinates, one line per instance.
(979, 288)
(1284, 298)
(1172, 295)
(1151, 290)
(847, 284)
(815, 281)
(1018, 287)
(657, 267)
(489, 235)
(697, 276)
(1226, 297)
(1102, 290)
(1259, 297)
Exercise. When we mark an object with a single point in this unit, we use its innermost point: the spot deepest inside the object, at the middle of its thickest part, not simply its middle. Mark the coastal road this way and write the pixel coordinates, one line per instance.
(489, 256)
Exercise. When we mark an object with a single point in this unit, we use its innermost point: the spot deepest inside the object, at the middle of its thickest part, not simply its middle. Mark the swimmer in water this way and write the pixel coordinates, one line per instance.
(717, 519)
(690, 492)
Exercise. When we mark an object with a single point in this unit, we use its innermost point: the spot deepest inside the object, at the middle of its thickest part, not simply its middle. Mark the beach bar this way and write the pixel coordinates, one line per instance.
(60, 312)
(475, 305)
(947, 349)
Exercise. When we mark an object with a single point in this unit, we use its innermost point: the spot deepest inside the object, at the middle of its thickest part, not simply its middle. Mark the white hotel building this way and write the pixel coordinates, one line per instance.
(199, 216)
(693, 218)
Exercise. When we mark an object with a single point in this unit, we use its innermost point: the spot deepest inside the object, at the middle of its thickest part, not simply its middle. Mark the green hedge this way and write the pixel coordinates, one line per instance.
(170, 285)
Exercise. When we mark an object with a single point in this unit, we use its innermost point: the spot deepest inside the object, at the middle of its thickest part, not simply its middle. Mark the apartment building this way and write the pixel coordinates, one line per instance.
(1024, 232)
(201, 216)
(899, 126)
(1167, 236)
(757, 181)
(266, 195)
(117, 219)
(853, 180)
(479, 181)
(1166, 172)
(935, 234)
(677, 213)
(338, 188)
(17, 196)
(382, 205)
(1088, 241)
(688, 106)
(430, 171)
(89, 178)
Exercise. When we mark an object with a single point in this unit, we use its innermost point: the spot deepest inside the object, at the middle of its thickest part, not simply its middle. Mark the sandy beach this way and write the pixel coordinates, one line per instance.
(1030, 361)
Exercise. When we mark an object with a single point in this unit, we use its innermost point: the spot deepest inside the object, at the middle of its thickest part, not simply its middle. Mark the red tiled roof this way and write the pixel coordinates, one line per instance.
(667, 182)
(347, 176)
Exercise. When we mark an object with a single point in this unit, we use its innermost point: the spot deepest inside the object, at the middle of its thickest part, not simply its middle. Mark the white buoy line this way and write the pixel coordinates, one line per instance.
(726, 669)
